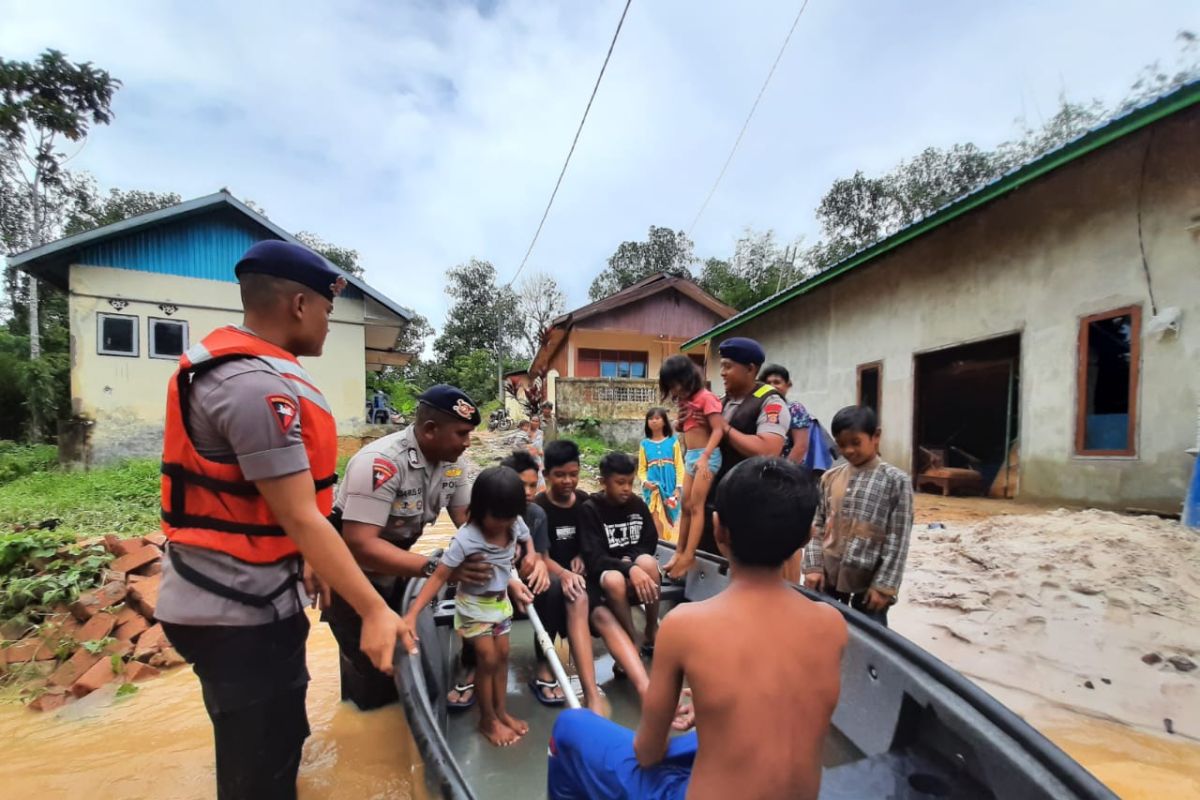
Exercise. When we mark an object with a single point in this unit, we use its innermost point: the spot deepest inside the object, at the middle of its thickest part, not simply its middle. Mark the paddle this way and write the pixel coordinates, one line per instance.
(547, 645)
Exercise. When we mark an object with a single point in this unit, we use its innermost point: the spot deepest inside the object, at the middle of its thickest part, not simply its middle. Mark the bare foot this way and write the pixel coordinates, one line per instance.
(520, 726)
(498, 733)
(598, 704)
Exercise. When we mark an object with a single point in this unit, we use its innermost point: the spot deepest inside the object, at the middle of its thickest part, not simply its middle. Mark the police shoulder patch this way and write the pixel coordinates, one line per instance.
(382, 471)
(284, 408)
(772, 411)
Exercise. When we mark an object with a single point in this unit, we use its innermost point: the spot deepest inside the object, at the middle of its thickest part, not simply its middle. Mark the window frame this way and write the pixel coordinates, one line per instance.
(137, 335)
(858, 395)
(1134, 312)
(616, 358)
(150, 321)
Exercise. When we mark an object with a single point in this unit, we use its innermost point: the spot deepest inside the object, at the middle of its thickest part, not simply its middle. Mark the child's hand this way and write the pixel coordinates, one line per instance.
(877, 600)
(645, 587)
(679, 565)
(573, 586)
(647, 485)
(577, 565)
(815, 581)
(521, 596)
(538, 577)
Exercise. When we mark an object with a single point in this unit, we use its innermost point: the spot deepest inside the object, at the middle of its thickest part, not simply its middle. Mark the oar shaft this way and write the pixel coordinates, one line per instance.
(547, 644)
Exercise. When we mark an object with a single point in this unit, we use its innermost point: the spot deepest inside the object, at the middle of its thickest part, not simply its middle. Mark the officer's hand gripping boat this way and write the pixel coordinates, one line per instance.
(906, 725)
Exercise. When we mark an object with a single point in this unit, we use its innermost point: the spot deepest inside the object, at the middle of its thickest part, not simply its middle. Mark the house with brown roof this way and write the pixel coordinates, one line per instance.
(602, 360)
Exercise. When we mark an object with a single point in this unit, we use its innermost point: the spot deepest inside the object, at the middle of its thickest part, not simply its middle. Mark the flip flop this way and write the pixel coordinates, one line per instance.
(462, 688)
(538, 687)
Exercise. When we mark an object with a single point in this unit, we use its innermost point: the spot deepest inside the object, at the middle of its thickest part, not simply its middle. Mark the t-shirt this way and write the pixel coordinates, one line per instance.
(562, 525)
(611, 536)
(694, 411)
(469, 540)
(233, 420)
(773, 417)
(535, 520)
(800, 420)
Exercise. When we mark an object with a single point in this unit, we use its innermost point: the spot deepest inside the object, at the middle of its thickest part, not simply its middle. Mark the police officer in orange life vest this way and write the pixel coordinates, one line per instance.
(249, 454)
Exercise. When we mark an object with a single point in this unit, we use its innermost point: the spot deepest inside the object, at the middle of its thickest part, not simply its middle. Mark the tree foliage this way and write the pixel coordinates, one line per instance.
(664, 250)
(343, 257)
(539, 302)
(760, 267)
(92, 209)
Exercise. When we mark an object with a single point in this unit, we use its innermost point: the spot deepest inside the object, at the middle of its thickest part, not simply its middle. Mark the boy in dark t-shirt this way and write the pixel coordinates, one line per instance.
(564, 607)
(618, 540)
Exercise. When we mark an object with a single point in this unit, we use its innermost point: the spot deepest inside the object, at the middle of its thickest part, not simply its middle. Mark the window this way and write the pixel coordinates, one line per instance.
(610, 364)
(1109, 353)
(168, 338)
(869, 379)
(117, 335)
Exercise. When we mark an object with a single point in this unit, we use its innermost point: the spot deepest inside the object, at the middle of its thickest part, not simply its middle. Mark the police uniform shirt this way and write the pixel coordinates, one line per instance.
(389, 483)
(244, 412)
(773, 417)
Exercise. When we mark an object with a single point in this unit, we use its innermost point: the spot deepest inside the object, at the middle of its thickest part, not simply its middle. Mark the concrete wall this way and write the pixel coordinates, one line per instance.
(1035, 263)
(605, 398)
(126, 395)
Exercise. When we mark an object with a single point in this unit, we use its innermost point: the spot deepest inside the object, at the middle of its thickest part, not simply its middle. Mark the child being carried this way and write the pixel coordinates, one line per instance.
(482, 612)
(703, 426)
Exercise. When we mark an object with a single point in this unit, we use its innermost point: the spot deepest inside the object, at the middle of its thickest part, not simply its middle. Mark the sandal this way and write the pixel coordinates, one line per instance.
(619, 673)
(539, 688)
(462, 688)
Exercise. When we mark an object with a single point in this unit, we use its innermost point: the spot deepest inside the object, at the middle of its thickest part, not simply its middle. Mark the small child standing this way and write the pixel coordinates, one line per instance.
(482, 612)
(660, 473)
(703, 426)
(863, 522)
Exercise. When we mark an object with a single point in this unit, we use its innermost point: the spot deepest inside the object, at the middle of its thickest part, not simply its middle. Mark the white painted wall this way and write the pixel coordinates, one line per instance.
(126, 396)
(1034, 262)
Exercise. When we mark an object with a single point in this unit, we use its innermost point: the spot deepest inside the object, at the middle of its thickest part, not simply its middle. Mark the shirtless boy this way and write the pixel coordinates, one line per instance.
(741, 686)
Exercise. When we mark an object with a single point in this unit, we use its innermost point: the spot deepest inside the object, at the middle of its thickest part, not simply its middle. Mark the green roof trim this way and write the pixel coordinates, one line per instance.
(1165, 106)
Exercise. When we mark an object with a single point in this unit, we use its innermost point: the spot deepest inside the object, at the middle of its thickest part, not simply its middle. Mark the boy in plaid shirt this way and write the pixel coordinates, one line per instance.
(863, 522)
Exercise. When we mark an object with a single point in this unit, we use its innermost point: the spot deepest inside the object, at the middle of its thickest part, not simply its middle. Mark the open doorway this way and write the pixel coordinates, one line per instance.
(966, 420)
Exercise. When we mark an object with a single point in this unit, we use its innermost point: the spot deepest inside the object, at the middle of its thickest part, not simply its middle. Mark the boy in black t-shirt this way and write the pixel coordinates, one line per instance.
(564, 607)
(618, 541)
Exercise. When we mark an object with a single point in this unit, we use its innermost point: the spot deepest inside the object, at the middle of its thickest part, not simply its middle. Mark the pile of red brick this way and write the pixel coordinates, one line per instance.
(107, 635)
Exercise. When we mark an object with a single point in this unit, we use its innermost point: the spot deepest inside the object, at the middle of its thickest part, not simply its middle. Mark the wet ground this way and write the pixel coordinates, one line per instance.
(157, 744)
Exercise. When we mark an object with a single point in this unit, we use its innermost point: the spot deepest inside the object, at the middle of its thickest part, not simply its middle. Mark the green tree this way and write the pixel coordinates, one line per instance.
(42, 103)
(91, 209)
(343, 257)
(760, 267)
(539, 302)
(664, 250)
(483, 322)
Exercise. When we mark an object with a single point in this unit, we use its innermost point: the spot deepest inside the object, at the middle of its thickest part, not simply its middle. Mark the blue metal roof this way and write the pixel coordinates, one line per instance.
(202, 238)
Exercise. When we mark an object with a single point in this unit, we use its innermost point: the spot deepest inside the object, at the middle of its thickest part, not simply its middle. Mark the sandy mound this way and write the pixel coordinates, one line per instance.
(1068, 606)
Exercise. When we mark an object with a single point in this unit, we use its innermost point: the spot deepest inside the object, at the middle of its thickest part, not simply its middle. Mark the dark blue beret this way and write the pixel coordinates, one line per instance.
(294, 262)
(742, 350)
(451, 400)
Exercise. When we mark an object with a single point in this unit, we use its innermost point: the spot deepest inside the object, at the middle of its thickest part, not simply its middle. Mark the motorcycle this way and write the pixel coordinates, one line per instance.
(500, 420)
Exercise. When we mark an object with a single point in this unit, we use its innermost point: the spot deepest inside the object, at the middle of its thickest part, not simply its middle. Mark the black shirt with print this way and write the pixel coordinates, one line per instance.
(562, 525)
(612, 536)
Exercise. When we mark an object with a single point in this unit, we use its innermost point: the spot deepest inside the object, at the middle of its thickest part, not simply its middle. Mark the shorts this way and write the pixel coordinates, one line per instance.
(692, 458)
(476, 615)
(593, 757)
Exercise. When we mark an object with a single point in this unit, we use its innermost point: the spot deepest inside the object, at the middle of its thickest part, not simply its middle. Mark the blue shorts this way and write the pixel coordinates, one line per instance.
(592, 757)
(692, 458)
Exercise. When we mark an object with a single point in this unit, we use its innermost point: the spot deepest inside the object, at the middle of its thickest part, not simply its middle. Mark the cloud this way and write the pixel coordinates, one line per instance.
(423, 134)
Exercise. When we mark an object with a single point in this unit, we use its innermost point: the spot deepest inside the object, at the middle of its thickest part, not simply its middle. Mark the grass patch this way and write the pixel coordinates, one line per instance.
(17, 460)
(123, 498)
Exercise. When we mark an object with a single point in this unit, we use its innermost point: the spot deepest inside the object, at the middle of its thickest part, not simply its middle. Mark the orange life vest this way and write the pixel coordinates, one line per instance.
(210, 504)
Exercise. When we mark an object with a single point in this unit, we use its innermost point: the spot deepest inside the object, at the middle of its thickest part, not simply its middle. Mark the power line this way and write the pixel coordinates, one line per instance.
(574, 142)
(749, 116)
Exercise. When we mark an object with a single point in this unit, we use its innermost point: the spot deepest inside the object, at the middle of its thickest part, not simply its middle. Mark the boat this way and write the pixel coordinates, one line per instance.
(906, 724)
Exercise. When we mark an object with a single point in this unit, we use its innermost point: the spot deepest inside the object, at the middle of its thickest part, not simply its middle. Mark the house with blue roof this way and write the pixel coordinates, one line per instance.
(140, 291)
(1038, 337)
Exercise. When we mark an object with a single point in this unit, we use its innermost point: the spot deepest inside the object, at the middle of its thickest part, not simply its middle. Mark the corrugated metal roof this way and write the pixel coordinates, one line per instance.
(1146, 114)
(200, 238)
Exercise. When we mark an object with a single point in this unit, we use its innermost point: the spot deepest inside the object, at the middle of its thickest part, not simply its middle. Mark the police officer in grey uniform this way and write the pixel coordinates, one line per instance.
(393, 488)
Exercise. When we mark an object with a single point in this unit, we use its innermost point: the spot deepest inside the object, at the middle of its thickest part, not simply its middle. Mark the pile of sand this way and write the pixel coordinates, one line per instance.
(1090, 610)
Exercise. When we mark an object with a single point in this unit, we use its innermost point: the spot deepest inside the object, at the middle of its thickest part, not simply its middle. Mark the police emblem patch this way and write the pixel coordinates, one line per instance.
(285, 410)
(464, 409)
(772, 412)
(382, 471)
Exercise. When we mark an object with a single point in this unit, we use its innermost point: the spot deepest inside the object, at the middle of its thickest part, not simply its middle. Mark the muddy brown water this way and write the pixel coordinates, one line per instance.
(157, 744)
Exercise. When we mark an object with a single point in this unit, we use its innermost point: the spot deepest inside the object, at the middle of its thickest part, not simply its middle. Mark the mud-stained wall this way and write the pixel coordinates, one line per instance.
(1033, 263)
(125, 395)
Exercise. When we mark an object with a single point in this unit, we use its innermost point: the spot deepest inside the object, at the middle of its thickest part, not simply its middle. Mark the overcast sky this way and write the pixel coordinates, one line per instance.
(427, 133)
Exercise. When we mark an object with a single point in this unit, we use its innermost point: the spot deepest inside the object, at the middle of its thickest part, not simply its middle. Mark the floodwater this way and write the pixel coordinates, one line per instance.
(157, 744)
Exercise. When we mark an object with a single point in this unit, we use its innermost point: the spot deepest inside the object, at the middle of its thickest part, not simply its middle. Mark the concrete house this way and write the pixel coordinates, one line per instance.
(1041, 332)
(141, 291)
(601, 360)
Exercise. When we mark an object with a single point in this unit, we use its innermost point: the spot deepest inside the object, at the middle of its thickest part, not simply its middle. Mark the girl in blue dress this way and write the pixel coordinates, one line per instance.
(660, 471)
